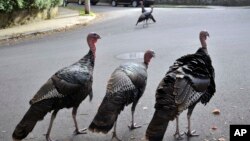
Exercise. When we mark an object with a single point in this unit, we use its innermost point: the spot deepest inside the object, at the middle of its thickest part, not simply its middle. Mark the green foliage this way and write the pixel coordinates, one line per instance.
(55, 2)
(7, 6)
(41, 4)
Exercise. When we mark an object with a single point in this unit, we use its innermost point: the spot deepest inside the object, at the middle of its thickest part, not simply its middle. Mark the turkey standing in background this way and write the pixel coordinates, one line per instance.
(189, 80)
(126, 85)
(145, 16)
(65, 89)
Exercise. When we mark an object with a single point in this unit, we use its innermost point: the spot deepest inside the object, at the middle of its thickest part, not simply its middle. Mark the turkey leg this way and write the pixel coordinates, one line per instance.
(53, 116)
(189, 132)
(177, 134)
(133, 125)
(114, 136)
(77, 131)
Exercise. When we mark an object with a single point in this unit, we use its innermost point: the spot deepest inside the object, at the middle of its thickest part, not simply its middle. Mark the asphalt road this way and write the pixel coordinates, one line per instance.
(25, 66)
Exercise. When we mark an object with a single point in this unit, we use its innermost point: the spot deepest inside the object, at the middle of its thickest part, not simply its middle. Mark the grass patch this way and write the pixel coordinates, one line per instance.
(82, 13)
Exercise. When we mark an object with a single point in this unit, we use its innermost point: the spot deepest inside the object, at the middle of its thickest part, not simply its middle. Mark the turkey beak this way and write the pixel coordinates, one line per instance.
(153, 54)
(207, 34)
(98, 36)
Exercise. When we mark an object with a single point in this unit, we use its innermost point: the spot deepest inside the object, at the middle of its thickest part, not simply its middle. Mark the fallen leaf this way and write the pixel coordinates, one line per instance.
(221, 139)
(214, 127)
(216, 111)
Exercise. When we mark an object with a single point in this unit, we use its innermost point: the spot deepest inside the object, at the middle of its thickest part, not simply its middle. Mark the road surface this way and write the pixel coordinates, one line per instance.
(25, 66)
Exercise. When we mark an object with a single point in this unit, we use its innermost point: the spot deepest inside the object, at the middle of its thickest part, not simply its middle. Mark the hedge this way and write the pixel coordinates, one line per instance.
(8, 6)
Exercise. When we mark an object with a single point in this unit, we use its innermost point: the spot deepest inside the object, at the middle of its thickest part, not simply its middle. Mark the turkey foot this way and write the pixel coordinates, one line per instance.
(133, 126)
(81, 131)
(178, 136)
(48, 138)
(114, 136)
(191, 133)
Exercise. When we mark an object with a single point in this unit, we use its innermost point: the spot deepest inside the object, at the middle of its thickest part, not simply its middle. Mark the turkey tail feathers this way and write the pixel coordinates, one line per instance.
(152, 18)
(105, 118)
(157, 126)
(165, 109)
(35, 113)
(102, 123)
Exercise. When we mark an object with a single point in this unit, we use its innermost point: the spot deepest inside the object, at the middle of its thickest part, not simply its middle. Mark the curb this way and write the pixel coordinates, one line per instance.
(55, 24)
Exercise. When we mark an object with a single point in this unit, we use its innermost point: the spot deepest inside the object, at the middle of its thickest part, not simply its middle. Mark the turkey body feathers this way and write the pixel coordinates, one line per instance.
(198, 69)
(72, 80)
(180, 89)
(145, 16)
(65, 89)
(79, 72)
(126, 85)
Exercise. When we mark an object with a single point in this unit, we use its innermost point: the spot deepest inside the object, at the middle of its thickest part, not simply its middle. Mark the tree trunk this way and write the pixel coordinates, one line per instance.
(87, 6)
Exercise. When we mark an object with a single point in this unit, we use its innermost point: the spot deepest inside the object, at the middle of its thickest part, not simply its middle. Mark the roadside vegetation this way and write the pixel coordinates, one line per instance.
(81, 10)
(8, 6)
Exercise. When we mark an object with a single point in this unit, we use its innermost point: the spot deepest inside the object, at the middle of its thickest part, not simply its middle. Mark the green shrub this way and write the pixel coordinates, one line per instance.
(56, 2)
(7, 6)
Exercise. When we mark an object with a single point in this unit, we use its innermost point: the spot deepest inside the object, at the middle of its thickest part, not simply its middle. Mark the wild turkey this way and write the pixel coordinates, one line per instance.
(65, 89)
(146, 16)
(190, 80)
(125, 86)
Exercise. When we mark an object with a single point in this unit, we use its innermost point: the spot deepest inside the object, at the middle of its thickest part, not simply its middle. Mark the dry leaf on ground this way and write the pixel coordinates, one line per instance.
(214, 127)
(221, 139)
(216, 111)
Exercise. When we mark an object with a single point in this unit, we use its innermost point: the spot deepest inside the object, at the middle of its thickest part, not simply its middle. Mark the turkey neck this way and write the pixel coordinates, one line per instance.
(146, 64)
(146, 61)
(142, 7)
(92, 47)
(203, 43)
(90, 57)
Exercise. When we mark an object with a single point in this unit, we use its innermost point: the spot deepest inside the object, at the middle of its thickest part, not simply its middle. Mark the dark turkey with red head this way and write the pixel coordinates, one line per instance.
(189, 80)
(67, 88)
(145, 16)
(125, 86)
